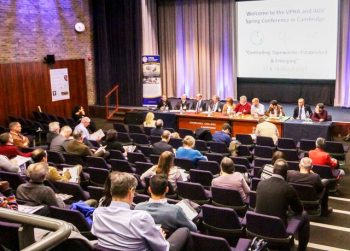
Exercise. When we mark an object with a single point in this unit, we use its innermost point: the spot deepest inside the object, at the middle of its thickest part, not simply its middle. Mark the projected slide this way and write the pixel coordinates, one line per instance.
(287, 39)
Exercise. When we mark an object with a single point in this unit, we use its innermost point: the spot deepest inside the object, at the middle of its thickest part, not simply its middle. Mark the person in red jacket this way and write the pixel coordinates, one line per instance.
(243, 107)
(8, 149)
(320, 157)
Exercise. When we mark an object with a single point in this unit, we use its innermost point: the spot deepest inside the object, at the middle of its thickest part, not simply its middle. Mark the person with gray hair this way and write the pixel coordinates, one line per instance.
(84, 123)
(305, 176)
(158, 130)
(59, 142)
(243, 107)
(35, 193)
(320, 157)
(117, 227)
(54, 129)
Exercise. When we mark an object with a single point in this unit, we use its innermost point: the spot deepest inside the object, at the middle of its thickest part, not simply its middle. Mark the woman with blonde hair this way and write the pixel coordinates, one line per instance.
(165, 167)
(187, 151)
(149, 120)
(229, 106)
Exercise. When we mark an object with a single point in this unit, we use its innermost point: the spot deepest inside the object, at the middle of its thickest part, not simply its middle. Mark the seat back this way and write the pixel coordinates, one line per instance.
(224, 197)
(73, 189)
(203, 242)
(142, 167)
(241, 168)
(254, 184)
(184, 163)
(15, 179)
(286, 143)
(293, 165)
(72, 159)
(202, 177)
(221, 218)
(74, 244)
(9, 236)
(136, 129)
(217, 157)
(245, 139)
(259, 162)
(121, 166)
(264, 152)
(244, 151)
(324, 171)
(140, 198)
(124, 138)
(135, 156)
(201, 146)
(98, 176)
(306, 145)
(96, 193)
(335, 149)
(309, 198)
(290, 154)
(72, 216)
(55, 157)
(116, 154)
(242, 161)
(184, 132)
(264, 141)
(154, 158)
(218, 147)
(175, 143)
(154, 139)
(99, 162)
(139, 139)
(146, 150)
(211, 166)
(192, 191)
(120, 127)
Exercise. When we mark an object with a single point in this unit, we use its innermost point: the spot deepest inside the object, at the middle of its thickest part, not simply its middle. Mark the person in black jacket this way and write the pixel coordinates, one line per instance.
(111, 141)
(274, 196)
(164, 104)
(302, 111)
(163, 145)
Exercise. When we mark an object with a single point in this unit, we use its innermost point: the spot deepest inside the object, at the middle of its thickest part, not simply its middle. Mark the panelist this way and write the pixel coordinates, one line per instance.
(243, 107)
(199, 104)
(275, 110)
(320, 113)
(215, 105)
(257, 109)
(302, 111)
(229, 106)
(183, 104)
(164, 104)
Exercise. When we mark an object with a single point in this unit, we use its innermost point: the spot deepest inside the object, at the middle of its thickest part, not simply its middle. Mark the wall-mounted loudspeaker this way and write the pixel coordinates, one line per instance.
(49, 59)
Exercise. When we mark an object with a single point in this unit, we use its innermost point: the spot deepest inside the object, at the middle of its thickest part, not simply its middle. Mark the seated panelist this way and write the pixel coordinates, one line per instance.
(302, 111)
(164, 104)
(320, 113)
(199, 104)
(243, 107)
(229, 106)
(183, 103)
(274, 110)
(215, 105)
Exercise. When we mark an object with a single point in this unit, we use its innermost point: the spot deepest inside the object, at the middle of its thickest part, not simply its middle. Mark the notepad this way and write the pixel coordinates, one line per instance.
(190, 212)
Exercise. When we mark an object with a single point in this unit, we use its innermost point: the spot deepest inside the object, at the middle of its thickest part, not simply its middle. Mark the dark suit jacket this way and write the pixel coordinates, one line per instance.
(164, 104)
(307, 110)
(312, 179)
(157, 131)
(274, 196)
(161, 146)
(185, 105)
(114, 145)
(203, 105)
(77, 148)
(218, 108)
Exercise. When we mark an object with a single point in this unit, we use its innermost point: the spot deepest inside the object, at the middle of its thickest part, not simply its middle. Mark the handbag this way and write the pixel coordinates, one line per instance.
(258, 245)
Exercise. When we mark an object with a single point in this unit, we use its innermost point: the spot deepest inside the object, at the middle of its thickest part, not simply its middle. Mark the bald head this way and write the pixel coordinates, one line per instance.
(37, 172)
(305, 164)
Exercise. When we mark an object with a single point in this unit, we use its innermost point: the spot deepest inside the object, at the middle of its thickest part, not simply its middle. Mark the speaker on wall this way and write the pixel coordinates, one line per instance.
(49, 59)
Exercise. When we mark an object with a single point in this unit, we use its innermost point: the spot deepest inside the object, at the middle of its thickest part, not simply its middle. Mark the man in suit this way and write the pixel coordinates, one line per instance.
(163, 145)
(171, 217)
(59, 142)
(199, 105)
(164, 104)
(305, 177)
(215, 105)
(158, 130)
(302, 111)
(274, 196)
(183, 104)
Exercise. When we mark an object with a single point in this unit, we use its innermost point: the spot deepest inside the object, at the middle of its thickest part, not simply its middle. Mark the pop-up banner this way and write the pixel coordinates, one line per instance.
(152, 88)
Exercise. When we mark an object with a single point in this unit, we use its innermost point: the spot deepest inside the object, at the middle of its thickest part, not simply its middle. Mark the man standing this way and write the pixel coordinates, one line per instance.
(163, 145)
(243, 107)
(267, 129)
(302, 111)
(171, 217)
(117, 227)
(305, 177)
(274, 196)
(199, 105)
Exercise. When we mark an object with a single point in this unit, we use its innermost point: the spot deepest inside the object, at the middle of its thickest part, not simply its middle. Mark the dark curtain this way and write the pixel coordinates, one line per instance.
(118, 49)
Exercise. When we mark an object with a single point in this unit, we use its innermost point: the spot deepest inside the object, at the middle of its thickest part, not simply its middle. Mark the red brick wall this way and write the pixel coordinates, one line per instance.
(31, 29)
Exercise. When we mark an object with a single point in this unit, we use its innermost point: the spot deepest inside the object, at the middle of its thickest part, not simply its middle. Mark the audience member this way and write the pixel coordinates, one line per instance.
(77, 147)
(306, 177)
(58, 144)
(78, 113)
(158, 130)
(267, 129)
(149, 120)
(165, 167)
(35, 193)
(274, 110)
(111, 142)
(232, 180)
(106, 199)
(118, 227)
(320, 157)
(40, 156)
(229, 106)
(275, 197)
(224, 135)
(82, 126)
(164, 104)
(302, 111)
(243, 107)
(215, 104)
(163, 144)
(19, 139)
(257, 109)
(187, 151)
(267, 170)
(8, 165)
(54, 129)
(175, 135)
(320, 113)
(8, 149)
(170, 217)
(7, 198)
(183, 104)
(199, 105)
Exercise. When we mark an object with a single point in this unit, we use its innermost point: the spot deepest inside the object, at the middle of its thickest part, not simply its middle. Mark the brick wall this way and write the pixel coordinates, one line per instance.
(31, 29)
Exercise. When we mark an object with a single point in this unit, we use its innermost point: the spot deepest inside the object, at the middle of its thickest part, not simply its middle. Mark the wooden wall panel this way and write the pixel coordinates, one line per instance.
(24, 86)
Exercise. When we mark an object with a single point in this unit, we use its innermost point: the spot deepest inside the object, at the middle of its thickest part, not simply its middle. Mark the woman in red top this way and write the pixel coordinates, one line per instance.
(8, 149)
